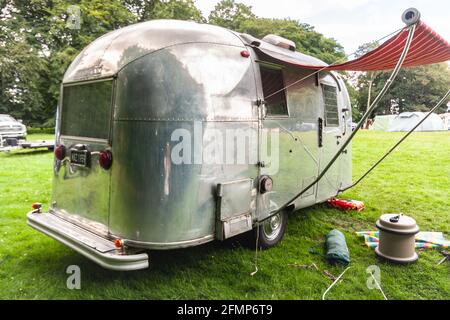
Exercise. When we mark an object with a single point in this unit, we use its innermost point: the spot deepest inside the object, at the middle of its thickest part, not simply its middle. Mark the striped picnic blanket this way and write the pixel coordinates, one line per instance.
(424, 239)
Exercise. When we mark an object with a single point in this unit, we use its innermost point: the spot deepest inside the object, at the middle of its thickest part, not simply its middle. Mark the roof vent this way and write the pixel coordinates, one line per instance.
(279, 41)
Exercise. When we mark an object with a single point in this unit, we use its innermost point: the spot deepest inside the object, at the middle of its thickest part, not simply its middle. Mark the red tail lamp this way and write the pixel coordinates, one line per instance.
(105, 159)
(118, 243)
(60, 152)
(36, 205)
(245, 53)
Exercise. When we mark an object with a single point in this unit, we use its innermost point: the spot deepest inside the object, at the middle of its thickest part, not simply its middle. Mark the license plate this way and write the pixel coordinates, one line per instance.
(79, 157)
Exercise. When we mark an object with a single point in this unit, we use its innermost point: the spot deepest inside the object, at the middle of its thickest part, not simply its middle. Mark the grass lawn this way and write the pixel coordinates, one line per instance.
(415, 180)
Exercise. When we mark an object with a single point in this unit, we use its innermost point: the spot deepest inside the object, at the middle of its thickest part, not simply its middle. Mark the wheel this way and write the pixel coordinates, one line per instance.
(271, 231)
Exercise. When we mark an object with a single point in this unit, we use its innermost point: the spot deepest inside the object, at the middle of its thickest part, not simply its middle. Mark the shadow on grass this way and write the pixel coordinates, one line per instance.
(52, 261)
(50, 258)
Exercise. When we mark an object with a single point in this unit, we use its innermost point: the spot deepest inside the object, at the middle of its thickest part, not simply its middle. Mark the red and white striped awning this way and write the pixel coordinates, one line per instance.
(427, 47)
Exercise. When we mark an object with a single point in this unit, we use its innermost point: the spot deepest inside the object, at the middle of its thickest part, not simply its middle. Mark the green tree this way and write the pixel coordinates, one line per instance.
(238, 17)
(231, 15)
(415, 89)
(38, 41)
(142, 9)
(177, 9)
(37, 46)
(21, 71)
(365, 82)
(164, 9)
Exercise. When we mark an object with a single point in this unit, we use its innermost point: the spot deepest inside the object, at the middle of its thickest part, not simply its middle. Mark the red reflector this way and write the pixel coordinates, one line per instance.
(60, 152)
(105, 159)
(118, 243)
(245, 53)
(36, 205)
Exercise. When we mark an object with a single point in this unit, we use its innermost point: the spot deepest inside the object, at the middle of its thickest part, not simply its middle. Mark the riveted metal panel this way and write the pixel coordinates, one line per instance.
(110, 53)
(190, 82)
(157, 201)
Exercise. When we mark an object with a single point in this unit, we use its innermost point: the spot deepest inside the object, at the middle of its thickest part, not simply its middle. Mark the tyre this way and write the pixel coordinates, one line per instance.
(271, 231)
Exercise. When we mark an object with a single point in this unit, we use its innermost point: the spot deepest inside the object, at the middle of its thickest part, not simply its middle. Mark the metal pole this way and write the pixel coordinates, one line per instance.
(386, 86)
(400, 141)
(368, 97)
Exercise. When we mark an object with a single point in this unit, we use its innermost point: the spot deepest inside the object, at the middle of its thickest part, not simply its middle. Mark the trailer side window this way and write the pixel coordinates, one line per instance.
(331, 106)
(274, 93)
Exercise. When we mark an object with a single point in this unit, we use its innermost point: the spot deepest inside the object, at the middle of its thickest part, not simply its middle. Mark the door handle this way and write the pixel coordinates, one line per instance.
(320, 132)
(345, 125)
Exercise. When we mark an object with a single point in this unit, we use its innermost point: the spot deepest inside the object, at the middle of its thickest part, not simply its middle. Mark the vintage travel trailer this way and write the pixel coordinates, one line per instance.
(172, 134)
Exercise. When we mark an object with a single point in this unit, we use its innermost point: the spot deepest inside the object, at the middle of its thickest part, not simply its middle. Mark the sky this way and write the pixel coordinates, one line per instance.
(350, 22)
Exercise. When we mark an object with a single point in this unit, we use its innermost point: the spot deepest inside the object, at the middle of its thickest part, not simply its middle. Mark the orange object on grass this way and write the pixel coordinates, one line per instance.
(346, 204)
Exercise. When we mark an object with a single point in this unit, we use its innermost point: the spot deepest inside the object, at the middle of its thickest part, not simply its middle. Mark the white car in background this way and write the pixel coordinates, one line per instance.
(11, 128)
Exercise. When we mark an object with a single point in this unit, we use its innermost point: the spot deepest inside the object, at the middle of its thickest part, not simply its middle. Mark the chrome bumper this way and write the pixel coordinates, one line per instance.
(13, 134)
(100, 250)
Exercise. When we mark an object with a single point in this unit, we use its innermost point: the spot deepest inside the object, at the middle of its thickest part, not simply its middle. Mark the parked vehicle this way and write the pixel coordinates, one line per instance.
(147, 117)
(12, 128)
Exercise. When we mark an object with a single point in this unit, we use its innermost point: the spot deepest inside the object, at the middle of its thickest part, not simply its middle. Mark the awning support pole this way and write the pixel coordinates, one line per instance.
(400, 141)
(369, 111)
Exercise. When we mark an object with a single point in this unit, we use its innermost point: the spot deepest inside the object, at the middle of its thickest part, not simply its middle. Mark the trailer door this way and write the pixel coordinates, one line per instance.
(278, 156)
(330, 137)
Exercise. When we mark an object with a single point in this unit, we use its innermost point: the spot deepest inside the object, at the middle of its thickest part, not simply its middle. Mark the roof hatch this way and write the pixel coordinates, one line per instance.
(279, 41)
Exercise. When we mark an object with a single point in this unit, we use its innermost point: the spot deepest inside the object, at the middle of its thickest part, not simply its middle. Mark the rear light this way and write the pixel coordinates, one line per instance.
(118, 243)
(60, 152)
(105, 159)
(36, 205)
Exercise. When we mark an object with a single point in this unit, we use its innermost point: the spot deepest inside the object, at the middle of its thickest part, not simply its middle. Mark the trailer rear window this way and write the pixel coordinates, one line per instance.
(274, 93)
(86, 110)
(331, 107)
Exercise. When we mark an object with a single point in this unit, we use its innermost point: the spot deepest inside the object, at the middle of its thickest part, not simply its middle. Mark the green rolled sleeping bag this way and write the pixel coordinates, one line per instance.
(336, 248)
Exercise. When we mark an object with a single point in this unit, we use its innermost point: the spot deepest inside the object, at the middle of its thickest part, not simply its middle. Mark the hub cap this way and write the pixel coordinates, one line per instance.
(272, 227)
